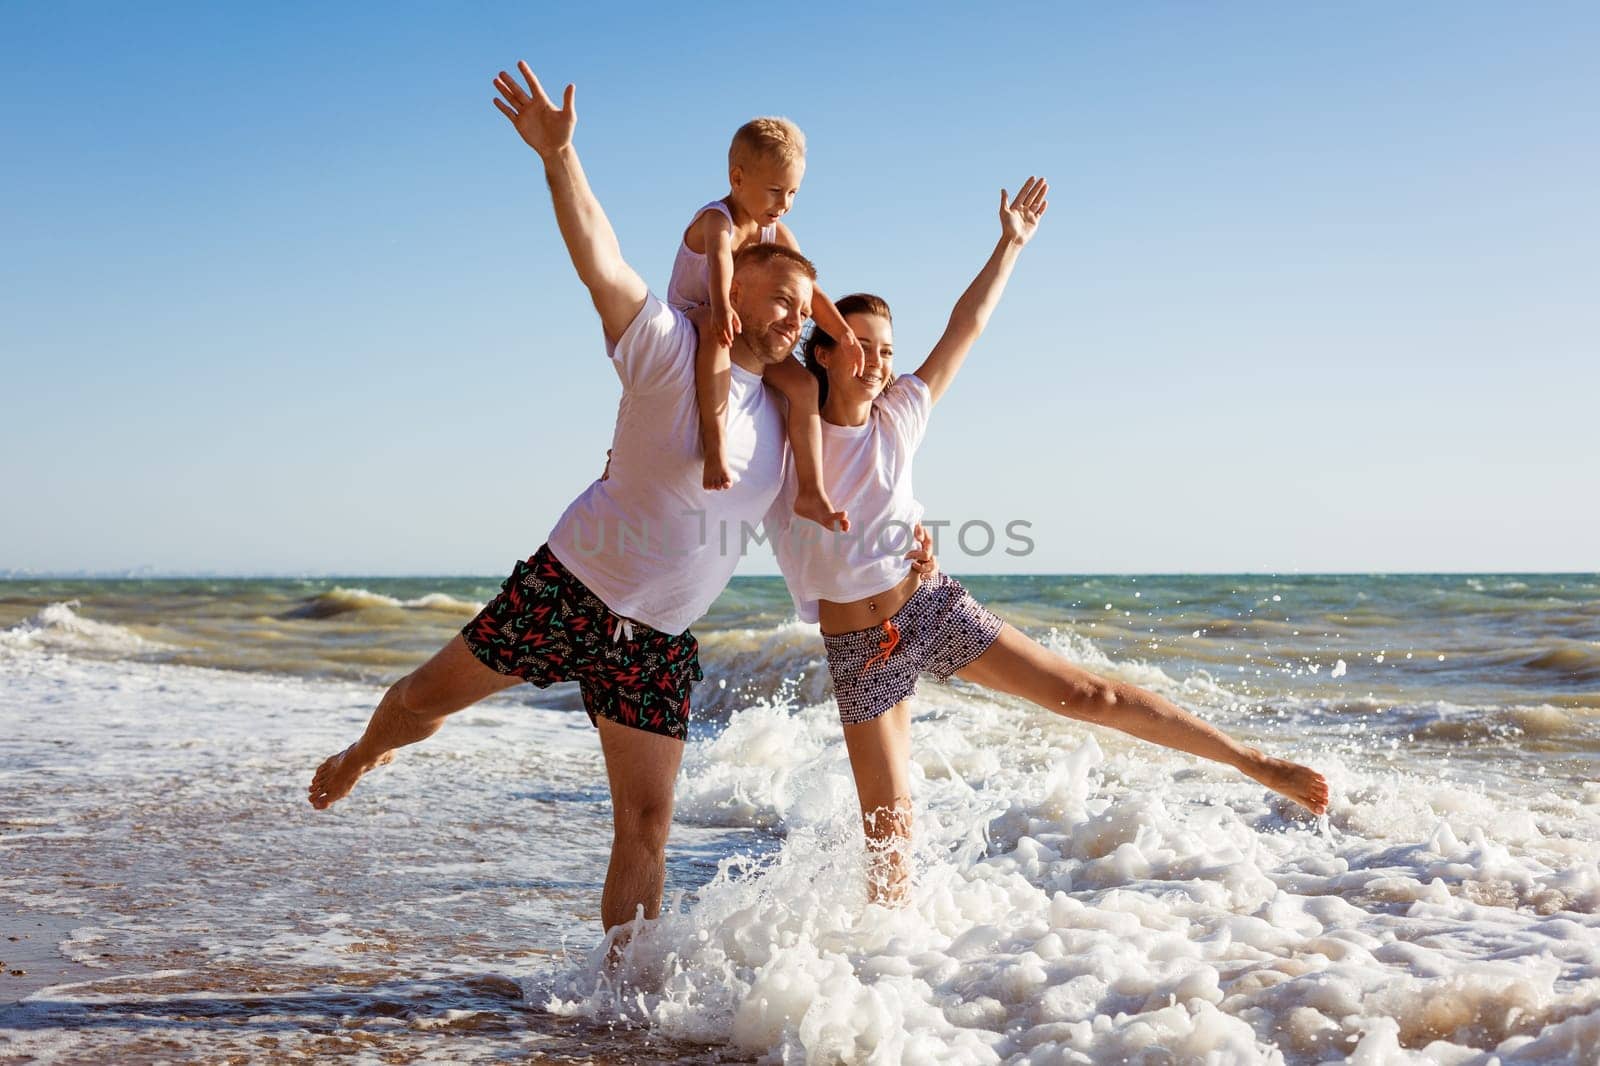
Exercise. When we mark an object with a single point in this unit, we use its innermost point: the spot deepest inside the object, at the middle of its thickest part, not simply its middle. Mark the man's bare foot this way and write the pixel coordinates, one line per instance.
(819, 509)
(339, 773)
(716, 476)
(1300, 783)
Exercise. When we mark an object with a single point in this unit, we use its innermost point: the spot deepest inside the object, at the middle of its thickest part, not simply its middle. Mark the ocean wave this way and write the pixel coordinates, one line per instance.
(1448, 721)
(1084, 652)
(783, 663)
(1444, 720)
(1576, 660)
(58, 627)
(339, 601)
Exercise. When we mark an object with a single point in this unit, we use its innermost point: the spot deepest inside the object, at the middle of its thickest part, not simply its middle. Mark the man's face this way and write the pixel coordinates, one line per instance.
(772, 300)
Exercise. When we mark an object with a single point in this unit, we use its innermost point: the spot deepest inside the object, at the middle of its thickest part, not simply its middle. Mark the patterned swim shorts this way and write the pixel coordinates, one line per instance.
(940, 629)
(546, 626)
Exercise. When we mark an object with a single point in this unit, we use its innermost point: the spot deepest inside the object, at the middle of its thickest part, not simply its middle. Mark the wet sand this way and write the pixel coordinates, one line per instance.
(70, 1001)
(31, 958)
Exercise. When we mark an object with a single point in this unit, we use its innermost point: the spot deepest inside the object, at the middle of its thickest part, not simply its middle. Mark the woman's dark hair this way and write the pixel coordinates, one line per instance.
(857, 303)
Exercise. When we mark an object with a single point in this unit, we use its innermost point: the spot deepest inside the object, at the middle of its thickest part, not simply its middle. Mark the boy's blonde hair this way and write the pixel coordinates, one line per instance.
(767, 140)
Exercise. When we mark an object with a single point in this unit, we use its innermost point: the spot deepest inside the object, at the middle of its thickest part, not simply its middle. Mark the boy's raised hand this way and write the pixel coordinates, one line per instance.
(1020, 218)
(546, 127)
(850, 345)
(725, 320)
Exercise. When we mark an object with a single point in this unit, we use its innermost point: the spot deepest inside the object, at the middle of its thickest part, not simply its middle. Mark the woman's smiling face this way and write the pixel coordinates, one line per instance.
(876, 334)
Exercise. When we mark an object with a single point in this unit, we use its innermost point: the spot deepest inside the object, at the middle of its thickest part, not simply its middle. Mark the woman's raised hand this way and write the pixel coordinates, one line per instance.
(1020, 218)
(546, 127)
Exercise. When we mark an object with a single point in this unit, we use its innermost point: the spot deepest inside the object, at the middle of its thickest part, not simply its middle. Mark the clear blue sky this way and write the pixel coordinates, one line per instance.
(281, 291)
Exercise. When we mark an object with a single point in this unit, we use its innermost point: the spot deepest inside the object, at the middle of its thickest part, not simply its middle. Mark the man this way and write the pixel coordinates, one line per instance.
(641, 553)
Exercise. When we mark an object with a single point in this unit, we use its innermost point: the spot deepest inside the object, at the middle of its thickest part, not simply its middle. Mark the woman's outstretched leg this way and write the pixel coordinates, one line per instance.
(880, 759)
(1016, 665)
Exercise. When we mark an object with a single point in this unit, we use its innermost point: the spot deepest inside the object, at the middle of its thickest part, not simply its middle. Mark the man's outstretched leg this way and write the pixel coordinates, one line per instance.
(642, 768)
(413, 709)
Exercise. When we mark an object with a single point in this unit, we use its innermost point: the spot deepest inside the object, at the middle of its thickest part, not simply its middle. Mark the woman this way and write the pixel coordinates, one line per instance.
(882, 628)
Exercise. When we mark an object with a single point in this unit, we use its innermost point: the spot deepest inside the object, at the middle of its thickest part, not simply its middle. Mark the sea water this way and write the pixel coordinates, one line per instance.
(1079, 897)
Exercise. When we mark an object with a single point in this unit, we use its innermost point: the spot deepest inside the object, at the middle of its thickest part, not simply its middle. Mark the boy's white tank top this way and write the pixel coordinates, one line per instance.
(690, 286)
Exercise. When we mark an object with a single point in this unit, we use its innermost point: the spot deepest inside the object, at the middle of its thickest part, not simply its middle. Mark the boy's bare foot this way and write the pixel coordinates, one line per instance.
(716, 476)
(819, 509)
(1300, 783)
(339, 773)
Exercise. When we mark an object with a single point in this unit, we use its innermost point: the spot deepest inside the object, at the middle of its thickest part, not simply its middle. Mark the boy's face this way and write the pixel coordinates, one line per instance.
(765, 189)
(772, 300)
(876, 335)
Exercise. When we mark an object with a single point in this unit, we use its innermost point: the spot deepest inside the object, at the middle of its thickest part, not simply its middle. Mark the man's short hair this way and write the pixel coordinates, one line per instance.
(760, 255)
(767, 140)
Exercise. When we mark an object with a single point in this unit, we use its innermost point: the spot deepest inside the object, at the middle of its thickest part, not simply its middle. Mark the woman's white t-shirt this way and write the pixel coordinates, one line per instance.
(867, 470)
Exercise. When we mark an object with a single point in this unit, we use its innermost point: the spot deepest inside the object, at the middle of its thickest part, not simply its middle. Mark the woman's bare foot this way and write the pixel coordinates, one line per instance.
(819, 509)
(716, 476)
(1300, 783)
(889, 872)
(888, 833)
(339, 773)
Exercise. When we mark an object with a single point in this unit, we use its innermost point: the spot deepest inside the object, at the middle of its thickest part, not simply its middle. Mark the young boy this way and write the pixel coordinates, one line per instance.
(766, 163)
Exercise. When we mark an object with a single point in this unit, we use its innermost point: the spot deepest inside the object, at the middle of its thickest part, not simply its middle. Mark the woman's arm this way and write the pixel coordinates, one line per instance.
(1018, 222)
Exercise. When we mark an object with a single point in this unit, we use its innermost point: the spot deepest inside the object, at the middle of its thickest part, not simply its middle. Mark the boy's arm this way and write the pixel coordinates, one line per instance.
(615, 287)
(831, 322)
(1018, 222)
(717, 232)
(825, 314)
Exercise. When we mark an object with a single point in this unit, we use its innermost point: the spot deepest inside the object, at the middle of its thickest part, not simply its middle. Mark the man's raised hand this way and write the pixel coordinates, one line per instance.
(546, 127)
(1020, 217)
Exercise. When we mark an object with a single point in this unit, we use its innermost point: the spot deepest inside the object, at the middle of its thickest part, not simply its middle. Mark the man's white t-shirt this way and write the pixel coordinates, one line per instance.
(867, 470)
(650, 541)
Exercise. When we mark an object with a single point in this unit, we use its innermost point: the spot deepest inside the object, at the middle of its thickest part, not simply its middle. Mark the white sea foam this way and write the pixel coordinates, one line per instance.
(58, 627)
(1084, 903)
(340, 600)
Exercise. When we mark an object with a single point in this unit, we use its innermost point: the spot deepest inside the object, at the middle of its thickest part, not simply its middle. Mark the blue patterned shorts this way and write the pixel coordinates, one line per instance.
(939, 630)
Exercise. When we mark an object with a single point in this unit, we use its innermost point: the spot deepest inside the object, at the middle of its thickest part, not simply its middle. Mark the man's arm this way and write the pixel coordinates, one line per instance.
(1018, 221)
(616, 288)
